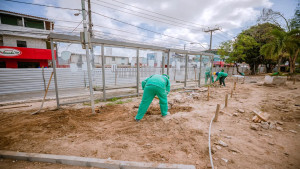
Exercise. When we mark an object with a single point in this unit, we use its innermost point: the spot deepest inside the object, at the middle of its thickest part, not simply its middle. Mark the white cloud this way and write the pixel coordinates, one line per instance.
(229, 14)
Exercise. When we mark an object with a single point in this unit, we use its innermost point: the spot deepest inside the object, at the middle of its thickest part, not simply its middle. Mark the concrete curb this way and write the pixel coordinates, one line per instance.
(89, 162)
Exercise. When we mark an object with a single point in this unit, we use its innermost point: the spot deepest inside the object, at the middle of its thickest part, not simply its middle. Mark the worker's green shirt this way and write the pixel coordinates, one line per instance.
(157, 80)
(221, 74)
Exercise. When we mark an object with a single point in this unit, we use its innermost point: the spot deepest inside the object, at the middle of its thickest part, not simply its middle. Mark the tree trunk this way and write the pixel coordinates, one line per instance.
(279, 62)
(252, 68)
(293, 62)
(237, 68)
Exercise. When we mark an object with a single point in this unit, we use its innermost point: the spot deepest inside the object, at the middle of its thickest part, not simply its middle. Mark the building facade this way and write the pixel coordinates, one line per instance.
(23, 40)
(80, 59)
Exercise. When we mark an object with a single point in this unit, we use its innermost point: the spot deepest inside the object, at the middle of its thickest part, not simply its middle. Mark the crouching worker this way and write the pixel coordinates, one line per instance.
(208, 76)
(221, 76)
(155, 85)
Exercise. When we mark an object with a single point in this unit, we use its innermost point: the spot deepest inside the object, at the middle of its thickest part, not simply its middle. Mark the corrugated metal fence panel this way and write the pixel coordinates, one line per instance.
(26, 80)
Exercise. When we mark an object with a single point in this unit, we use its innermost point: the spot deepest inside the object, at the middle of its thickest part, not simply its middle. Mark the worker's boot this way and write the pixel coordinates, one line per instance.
(137, 120)
(168, 113)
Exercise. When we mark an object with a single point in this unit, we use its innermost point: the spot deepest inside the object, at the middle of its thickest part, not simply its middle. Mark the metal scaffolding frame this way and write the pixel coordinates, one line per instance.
(56, 37)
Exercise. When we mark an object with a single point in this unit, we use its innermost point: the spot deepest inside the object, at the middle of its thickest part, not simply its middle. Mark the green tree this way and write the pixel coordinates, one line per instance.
(225, 49)
(284, 44)
(246, 47)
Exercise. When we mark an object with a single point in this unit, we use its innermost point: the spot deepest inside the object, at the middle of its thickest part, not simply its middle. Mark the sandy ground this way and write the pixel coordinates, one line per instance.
(180, 138)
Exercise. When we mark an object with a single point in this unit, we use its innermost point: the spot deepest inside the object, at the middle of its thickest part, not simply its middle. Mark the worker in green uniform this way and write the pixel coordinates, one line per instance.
(221, 76)
(207, 75)
(155, 85)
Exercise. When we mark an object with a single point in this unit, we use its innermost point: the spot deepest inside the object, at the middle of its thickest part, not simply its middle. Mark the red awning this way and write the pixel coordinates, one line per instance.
(8, 52)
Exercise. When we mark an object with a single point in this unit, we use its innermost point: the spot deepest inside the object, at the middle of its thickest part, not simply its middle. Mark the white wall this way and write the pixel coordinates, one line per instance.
(31, 42)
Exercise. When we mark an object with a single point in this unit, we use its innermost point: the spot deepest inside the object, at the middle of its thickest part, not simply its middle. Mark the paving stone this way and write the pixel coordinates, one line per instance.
(89, 162)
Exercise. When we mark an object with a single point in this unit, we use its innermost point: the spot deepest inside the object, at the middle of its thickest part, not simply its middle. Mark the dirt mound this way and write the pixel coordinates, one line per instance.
(175, 109)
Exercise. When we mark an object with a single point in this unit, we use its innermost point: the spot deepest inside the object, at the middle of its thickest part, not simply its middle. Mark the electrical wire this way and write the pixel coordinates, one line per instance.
(143, 9)
(144, 28)
(28, 3)
(144, 16)
(95, 30)
(124, 37)
(105, 17)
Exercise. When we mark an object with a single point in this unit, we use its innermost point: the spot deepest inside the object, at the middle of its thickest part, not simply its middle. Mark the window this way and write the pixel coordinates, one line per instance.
(34, 23)
(2, 64)
(28, 64)
(21, 44)
(113, 59)
(123, 58)
(11, 20)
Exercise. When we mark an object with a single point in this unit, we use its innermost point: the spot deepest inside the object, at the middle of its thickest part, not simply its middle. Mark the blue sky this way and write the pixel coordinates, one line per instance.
(231, 16)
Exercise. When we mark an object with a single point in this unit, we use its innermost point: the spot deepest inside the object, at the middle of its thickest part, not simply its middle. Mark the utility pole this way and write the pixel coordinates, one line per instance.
(86, 44)
(211, 30)
(91, 30)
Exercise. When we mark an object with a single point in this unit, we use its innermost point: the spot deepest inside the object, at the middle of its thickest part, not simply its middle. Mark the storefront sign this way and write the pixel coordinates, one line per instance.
(9, 52)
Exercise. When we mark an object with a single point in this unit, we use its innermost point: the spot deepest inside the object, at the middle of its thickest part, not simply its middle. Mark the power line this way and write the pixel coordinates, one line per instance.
(77, 26)
(116, 30)
(156, 13)
(144, 14)
(125, 36)
(102, 16)
(228, 34)
(211, 30)
(28, 3)
(142, 28)
(99, 31)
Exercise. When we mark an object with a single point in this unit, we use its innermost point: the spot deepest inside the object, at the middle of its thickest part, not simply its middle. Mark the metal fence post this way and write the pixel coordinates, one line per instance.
(137, 71)
(212, 64)
(103, 72)
(199, 82)
(186, 65)
(168, 63)
(54, 71)
(163, 63)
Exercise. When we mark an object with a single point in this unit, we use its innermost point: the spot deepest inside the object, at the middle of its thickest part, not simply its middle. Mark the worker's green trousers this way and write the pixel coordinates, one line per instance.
(207, 76)
(150, 92)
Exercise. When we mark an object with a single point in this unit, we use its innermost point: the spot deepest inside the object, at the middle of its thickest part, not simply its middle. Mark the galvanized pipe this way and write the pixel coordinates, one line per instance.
(103, 71)
(168, 62)
(163, 63)
(138, 71)
(185, 73)
(199, 82)
(54, 71)
(212, 64)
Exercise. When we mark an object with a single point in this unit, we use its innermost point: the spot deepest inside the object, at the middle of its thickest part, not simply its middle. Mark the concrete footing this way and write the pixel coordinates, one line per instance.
(89, 162)
(275, 80)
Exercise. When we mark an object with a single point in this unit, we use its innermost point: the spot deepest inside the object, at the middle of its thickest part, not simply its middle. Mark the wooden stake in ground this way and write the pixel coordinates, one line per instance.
(294, 82)
(226, 100)
(231, 93)
(217, 113)
(234, 85)
(244, 80)
(208, 93)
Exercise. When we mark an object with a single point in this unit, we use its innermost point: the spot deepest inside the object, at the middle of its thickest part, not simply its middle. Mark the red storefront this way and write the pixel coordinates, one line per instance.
(19, 57)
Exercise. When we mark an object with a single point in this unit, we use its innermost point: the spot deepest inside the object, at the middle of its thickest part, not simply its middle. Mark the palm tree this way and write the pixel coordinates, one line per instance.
(283, 44)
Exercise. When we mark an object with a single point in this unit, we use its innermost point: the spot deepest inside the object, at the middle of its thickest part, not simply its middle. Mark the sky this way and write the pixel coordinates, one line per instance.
(181, 21)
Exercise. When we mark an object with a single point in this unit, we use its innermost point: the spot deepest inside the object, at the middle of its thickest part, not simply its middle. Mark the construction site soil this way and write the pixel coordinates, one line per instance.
(180, 138)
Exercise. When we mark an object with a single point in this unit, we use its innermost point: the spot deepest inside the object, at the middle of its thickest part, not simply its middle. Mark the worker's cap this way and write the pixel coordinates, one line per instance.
(166, 76)
(214, 73)
(217, 73)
